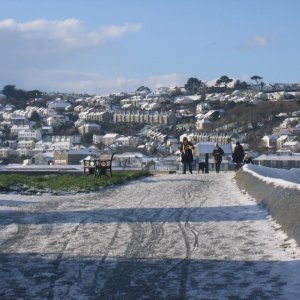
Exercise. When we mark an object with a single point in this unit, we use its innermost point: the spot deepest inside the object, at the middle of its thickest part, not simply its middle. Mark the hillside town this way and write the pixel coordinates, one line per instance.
(144, 128)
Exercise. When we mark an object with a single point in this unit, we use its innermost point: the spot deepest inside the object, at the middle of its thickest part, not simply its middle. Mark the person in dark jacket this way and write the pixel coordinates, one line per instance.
(247, 160)
(238, 155)
(217, 154)
(186, 150)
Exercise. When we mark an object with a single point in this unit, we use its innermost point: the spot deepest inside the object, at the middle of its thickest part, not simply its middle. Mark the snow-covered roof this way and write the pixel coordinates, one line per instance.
(208, 147)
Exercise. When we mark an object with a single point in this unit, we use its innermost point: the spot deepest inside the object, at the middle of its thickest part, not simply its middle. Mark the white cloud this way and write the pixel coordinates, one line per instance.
(37, 55)
(166, 80)
(68, 34)
(256, 41)
(41, 42)
(30, 51)
(56, 80)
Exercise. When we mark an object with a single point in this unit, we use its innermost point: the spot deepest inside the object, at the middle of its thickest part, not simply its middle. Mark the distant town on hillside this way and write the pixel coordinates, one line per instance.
(144, 127)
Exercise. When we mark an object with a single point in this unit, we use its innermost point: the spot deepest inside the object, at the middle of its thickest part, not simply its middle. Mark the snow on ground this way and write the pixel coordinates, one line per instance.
(173, 236)
(278, 190)
(280, 177)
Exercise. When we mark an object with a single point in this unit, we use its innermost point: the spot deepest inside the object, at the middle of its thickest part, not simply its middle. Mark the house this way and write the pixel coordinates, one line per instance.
(110, 138)
(19, 120)
(169, 163)
(89, 128)
(41, 146)
(46, 158)
(7, 152)
(203, 124)
(281, 140)
(47, 130)
(56, 120)
(270, 141)
(72, 139)
(127, 141)
(30, 134)
(134, 160)
(59, 105)
(15, 129)
(287, 161)
(74, 156)
(293, 146)
(12, 144)
(203, 149)
(26, 145)
(100, 116)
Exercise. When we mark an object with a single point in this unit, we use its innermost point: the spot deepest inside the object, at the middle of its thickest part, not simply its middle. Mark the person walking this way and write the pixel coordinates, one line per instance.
(238, 155)
(186, 150)
(217, 154)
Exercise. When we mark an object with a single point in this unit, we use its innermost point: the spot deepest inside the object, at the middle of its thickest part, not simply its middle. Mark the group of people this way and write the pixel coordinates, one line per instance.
(238, 156)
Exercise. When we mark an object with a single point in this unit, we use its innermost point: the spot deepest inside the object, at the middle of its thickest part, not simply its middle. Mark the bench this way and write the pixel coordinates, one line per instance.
(104, 164)
(99, 166)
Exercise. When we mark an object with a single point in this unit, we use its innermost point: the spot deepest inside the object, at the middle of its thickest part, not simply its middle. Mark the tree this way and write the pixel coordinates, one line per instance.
(240, 85)
(34, 94)
(257, 79)
(223, 80)
(143, 88)
(194, 86)
(261, 84)
(9, 91)
(14, 96)
(35, 117)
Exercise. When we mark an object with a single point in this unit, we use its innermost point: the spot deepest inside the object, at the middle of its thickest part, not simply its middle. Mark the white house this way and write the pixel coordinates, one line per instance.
(30, 134)
(29, 144)
(128, 141)
(203, 124)
(294, 146)
(55, 121)
(59, 105)
(7, 152)
(15, 129)
(41, 146)
(61, 146)
(89, 128)
(134, 160)
(270, 141)
(287, 161)
(45, 158)
(110, 138)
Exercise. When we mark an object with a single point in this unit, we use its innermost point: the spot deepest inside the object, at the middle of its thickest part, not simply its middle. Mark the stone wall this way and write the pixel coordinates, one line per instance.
(282, 203)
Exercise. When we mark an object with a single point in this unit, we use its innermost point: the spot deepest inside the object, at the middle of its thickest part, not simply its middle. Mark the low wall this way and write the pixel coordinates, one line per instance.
(282, 203)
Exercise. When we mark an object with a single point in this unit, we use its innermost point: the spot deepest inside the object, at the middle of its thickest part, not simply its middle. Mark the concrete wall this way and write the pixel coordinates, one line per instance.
(282, 203)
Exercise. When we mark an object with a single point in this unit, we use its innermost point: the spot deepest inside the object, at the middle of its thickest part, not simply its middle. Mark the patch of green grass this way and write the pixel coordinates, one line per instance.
(65, 182)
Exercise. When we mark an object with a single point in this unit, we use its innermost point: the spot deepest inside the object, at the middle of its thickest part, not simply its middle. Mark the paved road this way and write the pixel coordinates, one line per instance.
(165, 237)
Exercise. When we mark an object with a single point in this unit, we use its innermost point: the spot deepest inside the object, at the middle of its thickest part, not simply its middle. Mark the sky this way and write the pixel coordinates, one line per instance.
(112, 46)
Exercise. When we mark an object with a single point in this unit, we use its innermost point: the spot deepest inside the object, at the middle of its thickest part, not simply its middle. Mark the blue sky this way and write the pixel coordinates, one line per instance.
(100, 47)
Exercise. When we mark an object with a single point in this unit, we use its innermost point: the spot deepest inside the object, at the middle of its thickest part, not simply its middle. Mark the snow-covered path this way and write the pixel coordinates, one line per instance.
(169, 236)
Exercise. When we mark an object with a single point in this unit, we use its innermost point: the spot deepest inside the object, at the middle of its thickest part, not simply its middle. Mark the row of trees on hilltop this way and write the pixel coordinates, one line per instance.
(196, 86)
(20, 98)
(17, 97)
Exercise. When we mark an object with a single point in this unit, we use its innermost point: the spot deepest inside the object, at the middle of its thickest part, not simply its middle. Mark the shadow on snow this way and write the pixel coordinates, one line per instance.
(162, 214)
(51, 276)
